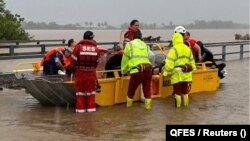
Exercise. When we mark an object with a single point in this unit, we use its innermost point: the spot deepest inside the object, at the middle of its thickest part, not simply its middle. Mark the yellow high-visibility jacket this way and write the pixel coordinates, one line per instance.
(136, 52)
(180, 54)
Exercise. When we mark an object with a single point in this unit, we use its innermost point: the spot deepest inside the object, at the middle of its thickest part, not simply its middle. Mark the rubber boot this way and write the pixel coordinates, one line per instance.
(185, 100)
(148, 103)
(178, 100)
(129, 102)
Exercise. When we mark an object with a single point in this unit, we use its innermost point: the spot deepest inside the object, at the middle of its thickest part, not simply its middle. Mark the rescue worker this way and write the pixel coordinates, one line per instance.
(134, 27)
(136, 62)
(56, 61)
(192, 43)
(179, 64)
(85, 58)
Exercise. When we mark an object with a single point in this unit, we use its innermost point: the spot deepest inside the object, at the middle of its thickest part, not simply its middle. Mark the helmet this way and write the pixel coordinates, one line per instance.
(88, 35)
(180, 29)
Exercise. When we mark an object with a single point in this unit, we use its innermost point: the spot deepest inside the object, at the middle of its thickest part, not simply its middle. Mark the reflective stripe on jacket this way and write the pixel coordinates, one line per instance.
(178, 55)
(135, 53)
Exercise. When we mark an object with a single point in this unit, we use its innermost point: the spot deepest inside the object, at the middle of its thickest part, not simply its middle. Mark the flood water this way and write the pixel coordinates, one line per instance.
(205, 35)
(22, 118)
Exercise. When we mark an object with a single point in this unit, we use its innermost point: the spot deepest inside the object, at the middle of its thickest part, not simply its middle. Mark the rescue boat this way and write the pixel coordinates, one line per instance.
(59, 89)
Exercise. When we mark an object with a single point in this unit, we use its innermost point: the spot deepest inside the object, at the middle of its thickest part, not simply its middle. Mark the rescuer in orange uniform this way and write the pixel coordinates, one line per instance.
(56, 61)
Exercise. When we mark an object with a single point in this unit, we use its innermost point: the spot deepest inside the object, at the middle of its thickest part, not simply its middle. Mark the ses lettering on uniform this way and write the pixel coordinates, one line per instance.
(182, 132)
(88, 48)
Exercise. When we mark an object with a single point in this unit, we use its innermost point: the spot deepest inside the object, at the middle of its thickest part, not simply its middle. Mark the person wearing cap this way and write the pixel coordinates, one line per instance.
(179, 64)
(136, 62)
(192, 43)
(56, 61)
(85, 59)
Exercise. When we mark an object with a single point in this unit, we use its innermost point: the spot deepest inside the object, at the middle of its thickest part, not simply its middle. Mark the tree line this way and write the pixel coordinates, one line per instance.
(13, 26)
(197, 24)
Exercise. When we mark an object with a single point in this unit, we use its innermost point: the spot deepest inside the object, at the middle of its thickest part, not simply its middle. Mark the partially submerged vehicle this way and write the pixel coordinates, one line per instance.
(59, 89)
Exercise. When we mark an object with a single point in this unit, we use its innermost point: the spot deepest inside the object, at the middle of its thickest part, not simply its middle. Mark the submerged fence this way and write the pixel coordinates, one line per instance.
(19, 49)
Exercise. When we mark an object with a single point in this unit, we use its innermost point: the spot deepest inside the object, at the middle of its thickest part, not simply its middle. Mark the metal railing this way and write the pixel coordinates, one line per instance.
(30, 48)
(224, 45)
(37, 48)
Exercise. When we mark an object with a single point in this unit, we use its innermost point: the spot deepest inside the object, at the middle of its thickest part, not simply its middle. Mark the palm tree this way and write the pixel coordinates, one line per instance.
(171, 23)
(163, 25)
(90, 24)
(86, 24)
(99, 25)
(105, 24)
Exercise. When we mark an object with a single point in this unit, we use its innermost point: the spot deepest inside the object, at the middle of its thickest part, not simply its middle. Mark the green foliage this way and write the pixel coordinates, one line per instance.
(10, 25)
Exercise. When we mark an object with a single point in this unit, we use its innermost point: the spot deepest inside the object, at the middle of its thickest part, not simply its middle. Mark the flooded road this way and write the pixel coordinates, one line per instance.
(22, 118)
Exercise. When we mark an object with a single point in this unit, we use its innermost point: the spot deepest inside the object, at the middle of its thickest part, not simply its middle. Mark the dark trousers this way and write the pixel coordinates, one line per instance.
(181, 88)
(220, 68)
(50, 69)
(136, 79)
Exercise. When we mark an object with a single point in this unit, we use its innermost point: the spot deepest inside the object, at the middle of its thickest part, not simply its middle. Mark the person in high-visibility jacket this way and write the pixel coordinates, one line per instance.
(179, 64)
(136, 62)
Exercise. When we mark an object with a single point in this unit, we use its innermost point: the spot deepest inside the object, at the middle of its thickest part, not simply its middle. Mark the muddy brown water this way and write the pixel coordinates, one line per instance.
(22, 118)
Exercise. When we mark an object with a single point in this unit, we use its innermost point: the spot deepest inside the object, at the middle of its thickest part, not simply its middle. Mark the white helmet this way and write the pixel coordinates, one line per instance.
(180, 29)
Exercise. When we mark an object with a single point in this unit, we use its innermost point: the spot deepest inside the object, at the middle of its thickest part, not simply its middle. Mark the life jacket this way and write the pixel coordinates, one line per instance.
(86, 55)
(195, 51)
(66, 61)
(192, 42)
(50, 53)
(130, 33)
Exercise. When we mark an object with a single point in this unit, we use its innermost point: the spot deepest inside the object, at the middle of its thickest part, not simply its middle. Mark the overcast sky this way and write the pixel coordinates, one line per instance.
(116, 12)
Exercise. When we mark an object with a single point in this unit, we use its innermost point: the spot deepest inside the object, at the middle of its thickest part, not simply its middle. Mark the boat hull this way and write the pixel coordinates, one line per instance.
(59, 90)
